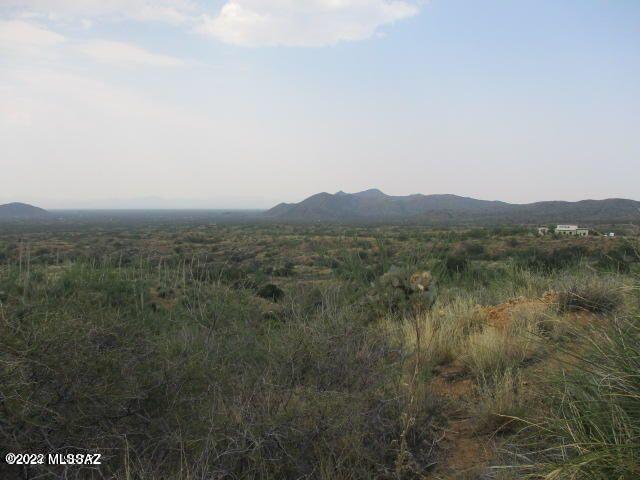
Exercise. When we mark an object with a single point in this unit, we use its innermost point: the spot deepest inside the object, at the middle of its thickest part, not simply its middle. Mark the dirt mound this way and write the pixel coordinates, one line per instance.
(501, 316)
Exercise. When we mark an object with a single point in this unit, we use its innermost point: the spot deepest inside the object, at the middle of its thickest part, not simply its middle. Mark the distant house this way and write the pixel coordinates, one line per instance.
(573, 230)
(543, 230)
(611, 234)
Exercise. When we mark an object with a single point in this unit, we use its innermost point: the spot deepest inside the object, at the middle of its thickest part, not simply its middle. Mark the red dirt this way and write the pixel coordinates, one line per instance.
(466, 454)
(500, 316)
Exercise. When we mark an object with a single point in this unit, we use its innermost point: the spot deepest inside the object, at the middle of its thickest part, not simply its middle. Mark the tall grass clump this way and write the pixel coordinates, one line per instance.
(591, 425)
(502, 400)
(443, 330)
(589, 293)
(492, 351)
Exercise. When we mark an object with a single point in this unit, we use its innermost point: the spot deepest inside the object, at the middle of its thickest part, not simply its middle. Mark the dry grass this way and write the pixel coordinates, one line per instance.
(502, 401)
(540, 320)
(590, 294)
(492, 352)
(443, 330)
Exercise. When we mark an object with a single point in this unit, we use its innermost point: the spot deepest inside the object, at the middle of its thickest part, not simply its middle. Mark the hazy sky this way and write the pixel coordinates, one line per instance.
(240, 103)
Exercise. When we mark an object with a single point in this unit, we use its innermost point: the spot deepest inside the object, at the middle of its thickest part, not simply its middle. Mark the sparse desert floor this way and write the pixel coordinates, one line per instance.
(272, 351)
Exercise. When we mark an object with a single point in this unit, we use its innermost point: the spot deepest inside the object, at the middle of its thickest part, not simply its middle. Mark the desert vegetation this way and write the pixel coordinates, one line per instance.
(269, 351)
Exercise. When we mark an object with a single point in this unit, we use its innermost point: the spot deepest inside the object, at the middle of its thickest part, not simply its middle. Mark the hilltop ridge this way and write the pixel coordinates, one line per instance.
(22, 211)
(373, 205)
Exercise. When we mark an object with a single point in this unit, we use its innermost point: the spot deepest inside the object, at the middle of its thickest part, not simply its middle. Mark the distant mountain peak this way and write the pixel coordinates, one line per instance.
(21, 211)
(372, 192)
(17, 205)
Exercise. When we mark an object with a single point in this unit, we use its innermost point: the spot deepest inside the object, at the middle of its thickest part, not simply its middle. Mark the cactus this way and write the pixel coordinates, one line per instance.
(406, 292)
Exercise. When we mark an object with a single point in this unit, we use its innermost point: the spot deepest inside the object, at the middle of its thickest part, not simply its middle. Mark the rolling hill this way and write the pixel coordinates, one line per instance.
(22, 211)
(375, 206)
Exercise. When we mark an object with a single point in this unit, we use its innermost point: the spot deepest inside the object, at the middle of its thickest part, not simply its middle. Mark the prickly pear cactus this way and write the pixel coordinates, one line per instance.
(405, 292)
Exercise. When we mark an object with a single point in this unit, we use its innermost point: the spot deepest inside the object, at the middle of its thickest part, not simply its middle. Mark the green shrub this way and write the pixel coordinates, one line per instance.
(455, 263)
(619, 259)
(551, 260)
(285, 270)
(475, 249)
(271, 292)
(354, 268)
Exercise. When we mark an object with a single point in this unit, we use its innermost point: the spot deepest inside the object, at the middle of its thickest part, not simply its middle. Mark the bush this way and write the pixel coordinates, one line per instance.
(549, 261)
(476, 250)
(594, 294)
(454, 264)
(619, 259)
(284, 271)
(271, 292)
(354, 268)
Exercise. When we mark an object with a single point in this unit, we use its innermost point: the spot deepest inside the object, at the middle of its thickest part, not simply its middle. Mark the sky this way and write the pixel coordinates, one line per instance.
(247, 103)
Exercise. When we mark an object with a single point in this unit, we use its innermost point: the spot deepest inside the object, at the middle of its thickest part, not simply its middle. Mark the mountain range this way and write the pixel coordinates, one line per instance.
(375, 206)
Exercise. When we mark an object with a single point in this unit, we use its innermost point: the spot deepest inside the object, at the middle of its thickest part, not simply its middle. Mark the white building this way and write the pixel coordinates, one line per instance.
(572, 230)
(543, 230)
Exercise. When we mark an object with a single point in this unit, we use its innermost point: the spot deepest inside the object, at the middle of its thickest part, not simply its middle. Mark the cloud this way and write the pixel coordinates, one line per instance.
(165, 11)
(20, 38)
(119, 53)
(251, 23)
(17, 36)
(311, 23)
(162, 13)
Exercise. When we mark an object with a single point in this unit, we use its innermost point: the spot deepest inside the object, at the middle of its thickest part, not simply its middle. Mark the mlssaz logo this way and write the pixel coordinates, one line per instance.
(74, 459)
